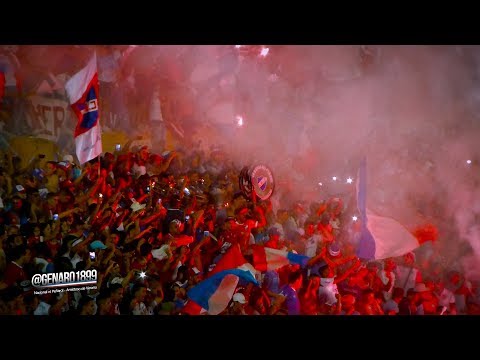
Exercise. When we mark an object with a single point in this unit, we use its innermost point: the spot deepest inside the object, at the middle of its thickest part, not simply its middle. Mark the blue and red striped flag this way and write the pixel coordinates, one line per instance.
(215, 292)
(265, 258)
(82, 90)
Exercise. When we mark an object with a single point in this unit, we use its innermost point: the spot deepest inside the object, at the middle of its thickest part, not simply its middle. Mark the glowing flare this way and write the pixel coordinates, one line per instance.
(334, 178)
(239, 120)
(354, 218)
(349, 180)
(143, 274)
(264, 52)
(320, 184)
(238, 46)
(469, 162)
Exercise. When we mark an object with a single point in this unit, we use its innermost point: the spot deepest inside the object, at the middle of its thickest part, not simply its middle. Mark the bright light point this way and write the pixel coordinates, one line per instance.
(354, 218)
(264, 52)
(349, 180)
(334, 178)
(320, 184)
(143, 274)
(239, 120)
(469, 162)
(238, 46)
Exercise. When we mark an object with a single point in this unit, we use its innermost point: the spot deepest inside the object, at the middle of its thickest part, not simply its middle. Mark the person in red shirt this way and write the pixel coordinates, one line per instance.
(461, 288)
(35, 237)
(309, 296)
(326, 230)
(259, 302)
(426, 303)
(14, 273)
(176, 228)
(284, 272)
(369, 305)
(273, 238)
(241, 228)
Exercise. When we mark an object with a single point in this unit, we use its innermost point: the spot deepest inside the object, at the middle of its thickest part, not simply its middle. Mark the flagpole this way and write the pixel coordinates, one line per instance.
(100, 129)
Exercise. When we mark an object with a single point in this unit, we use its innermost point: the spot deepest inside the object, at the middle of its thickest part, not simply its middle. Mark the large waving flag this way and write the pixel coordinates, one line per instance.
(214, 293)
(381, 237)
(232, 259)
(265, 258)
(82, 90)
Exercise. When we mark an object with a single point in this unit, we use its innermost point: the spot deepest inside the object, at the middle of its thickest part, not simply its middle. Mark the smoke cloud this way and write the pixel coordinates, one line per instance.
(311, 113)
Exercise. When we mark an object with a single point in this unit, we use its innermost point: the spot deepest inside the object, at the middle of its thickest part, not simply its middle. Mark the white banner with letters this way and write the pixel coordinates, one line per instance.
(49, 118)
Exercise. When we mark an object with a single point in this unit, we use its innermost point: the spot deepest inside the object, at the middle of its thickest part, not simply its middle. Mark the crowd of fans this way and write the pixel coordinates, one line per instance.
(144, 220)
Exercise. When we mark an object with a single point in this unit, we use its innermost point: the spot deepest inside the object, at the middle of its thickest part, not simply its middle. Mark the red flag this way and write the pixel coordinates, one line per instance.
(232, 259)
(192, 308)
